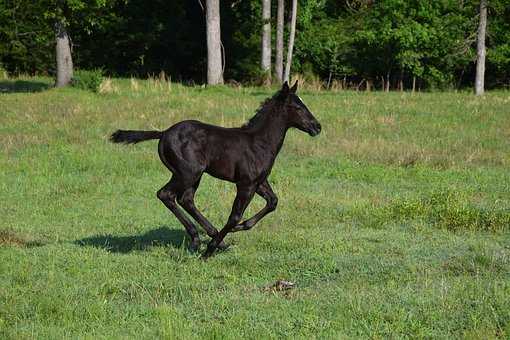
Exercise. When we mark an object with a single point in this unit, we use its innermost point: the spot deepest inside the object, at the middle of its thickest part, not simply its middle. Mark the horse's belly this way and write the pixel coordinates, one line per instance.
(222, 168)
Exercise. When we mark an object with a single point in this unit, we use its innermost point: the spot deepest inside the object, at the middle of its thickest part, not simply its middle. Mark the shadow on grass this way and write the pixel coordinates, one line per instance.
(22, 86)
(124, 244)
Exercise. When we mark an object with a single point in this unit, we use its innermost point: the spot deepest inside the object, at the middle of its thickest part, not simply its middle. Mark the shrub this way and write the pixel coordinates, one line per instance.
(451, 210)
(88, 80)
(448, 209)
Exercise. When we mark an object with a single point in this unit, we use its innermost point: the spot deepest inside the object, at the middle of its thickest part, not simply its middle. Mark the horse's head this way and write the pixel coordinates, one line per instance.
(298, 115)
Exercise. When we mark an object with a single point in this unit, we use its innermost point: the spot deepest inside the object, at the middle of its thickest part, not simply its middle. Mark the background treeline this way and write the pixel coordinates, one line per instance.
(358, 43)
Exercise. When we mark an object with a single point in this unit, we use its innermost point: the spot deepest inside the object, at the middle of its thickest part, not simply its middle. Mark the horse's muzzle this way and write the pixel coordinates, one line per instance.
(315, 129)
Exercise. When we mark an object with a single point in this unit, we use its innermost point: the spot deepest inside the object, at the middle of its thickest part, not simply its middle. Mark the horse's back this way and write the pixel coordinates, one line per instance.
(192, 145)
(198, 144)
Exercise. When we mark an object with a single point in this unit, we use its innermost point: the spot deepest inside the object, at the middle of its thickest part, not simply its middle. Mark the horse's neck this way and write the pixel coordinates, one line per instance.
(271, 133)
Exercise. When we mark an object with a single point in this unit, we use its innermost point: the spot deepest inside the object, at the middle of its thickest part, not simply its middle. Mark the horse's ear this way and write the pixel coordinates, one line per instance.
(285, 88)
(294, 87)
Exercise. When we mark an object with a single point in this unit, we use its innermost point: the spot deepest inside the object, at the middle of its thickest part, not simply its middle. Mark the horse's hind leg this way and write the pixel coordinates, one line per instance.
(187, 201)
(168, 195)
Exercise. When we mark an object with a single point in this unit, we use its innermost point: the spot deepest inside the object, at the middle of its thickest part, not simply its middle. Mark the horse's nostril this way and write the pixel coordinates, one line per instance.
(319, 127)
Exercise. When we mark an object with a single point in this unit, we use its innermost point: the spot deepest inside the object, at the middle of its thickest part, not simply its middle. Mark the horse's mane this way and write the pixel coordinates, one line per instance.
(266, 108)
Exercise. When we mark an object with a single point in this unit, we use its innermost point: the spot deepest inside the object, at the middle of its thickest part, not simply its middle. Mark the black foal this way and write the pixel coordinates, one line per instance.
(242, 155)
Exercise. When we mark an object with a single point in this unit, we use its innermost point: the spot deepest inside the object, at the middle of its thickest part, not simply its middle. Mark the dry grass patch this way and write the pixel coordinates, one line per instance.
(10, 238)
(14, 142)
(107, 87)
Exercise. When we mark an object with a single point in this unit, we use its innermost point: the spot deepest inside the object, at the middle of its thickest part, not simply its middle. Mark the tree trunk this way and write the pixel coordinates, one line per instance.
(369, 85)
(278, 67)
(292, 35)
(387, 89)
(328, 86)
(359, 84)
(265, 62)
(63, 56)
(480, 49)
(414, 83)
(214, 67)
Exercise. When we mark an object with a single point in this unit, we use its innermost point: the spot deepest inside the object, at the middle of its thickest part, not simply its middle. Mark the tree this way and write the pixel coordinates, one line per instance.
(63, 13)
(265, 62)
(214, 61)
(357, 41)
(425, 42)
(278, 65)
(325, 44)
(498, 52)
(63, 55)
(24, 38)
(480, 49)
(292, 35)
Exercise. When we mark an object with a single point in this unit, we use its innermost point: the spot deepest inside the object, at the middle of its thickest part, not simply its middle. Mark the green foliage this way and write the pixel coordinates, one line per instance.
(326, 46)
(424, 39)
(87, 80)
(451, 210)
(498, 54)
(433, 41)
(25, 39)
(88, 14)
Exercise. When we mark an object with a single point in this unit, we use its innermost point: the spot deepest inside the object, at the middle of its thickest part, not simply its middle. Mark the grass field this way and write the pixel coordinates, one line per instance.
(394, 222)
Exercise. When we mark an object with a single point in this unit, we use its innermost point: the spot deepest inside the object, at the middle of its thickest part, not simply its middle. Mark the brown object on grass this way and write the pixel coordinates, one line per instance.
(280, 285)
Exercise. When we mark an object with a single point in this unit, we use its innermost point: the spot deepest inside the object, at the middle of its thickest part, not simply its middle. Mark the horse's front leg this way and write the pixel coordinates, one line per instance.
(243, 198)
(266, 192)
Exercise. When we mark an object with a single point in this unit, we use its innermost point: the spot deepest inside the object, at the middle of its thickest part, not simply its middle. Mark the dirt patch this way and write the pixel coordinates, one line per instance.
(13, 239)
(279, 286)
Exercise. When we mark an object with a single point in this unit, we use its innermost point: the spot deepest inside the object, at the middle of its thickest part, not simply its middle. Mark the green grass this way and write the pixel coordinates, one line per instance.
(394, 222)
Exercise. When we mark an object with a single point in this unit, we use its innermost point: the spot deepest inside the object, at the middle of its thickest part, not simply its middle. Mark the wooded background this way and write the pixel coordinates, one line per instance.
(360, 43)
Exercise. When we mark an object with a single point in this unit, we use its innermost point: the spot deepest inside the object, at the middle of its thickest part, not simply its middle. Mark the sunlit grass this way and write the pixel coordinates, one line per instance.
(392, 223)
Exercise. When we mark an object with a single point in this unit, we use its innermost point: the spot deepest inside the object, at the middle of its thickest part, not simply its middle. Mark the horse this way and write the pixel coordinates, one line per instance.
(243, 156)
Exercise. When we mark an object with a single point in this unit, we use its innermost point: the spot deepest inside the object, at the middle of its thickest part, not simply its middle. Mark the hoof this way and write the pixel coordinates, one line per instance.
(194, 246)
(206, 255)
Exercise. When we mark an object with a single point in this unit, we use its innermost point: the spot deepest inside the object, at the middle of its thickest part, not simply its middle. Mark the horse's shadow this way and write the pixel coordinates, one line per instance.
(162, 237)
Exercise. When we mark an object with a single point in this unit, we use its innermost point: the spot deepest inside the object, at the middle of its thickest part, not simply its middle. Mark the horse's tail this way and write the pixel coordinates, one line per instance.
(133, 136)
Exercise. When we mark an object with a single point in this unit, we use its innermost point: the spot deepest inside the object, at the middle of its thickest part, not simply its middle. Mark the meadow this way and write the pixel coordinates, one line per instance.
(394, 222)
